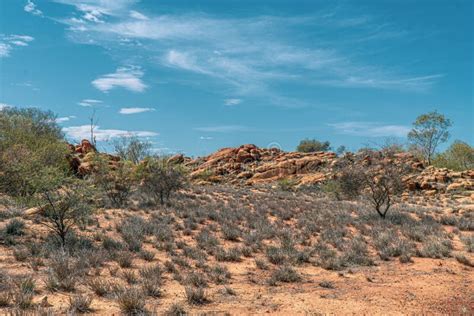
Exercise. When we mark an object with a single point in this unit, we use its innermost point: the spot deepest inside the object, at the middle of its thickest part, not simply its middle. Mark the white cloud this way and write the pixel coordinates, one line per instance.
(137, 15)
(30, 7)
(224, 129)
(125, 77)
(9, 42)
(250, 55)
(231, 102)
(206, 138)
(135, 110)
(89, 102)
(371, 129)
(64, 119)
(96, 11)
(83, 131)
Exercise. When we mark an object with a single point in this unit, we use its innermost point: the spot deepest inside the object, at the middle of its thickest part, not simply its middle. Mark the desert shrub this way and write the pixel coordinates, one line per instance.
(285, 274)
(100, 287)
(468, 243)
(80, 303)
(130, 276)
(196, 279)
(206, 240)
(21, 254)
(132, 301)
(64, 272)
(261, 264)
(196, 295)
(147, 255)
(231, 232)
(220, 274)
(459, 156)
(32, 151)
(357, 253)
(327, 258)
(15, 227)
(23, 296)
(312, 145)
(287, 184)
(276, 255)
(132, 230)
(115, 181)
(131, 148)
(435, 247)
(176, 310)
(231, 255)
(464, 260)
(124, 259)
(64, 209)
(111, 244)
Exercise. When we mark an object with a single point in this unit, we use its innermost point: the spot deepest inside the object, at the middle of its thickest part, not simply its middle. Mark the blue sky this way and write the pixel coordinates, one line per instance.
(195, 76)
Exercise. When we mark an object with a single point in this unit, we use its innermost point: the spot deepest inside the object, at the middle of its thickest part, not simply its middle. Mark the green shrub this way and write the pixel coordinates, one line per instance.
(459, 156)
(32, 152)
(313, 145)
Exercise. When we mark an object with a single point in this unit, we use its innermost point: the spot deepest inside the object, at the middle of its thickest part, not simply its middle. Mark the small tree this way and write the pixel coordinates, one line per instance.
(132, 148)
(62, 209)
(159, 179)
(429, 130)
(382, 182)
(313, 145)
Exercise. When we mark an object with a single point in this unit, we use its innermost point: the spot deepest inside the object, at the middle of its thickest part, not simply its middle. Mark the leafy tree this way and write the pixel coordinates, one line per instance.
(459, 156)
(341, 150)
(313, 145)
(32, 151)
(132, 148)
(429, 130)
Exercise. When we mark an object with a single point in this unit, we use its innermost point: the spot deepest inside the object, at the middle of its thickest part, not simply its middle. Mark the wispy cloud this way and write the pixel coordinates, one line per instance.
(230, 102)
(89, 102)
(96, 10)
(206, 138)
(83, 131)
(65, 119)
(224, 129)
(9, 42)
(251, 55)
(135, 110)
(30, 7)
(125, 77)
(370, 129)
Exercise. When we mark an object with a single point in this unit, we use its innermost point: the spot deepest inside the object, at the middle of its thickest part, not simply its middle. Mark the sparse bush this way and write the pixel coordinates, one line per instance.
(100, 287)
(276, 255)
(132, 301)
(435, 247)
(196, 279)
(147, 255)
(287, 184)
(124, 259)
(285, 274)
(115, 181)
(231, 255)
(80, 304)
(176, 310)
(468, 242)
(196, 295)
(220, 274)
(160, 179)
(464, 260)
(132, 230)
(15, 227)
(130, 276)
